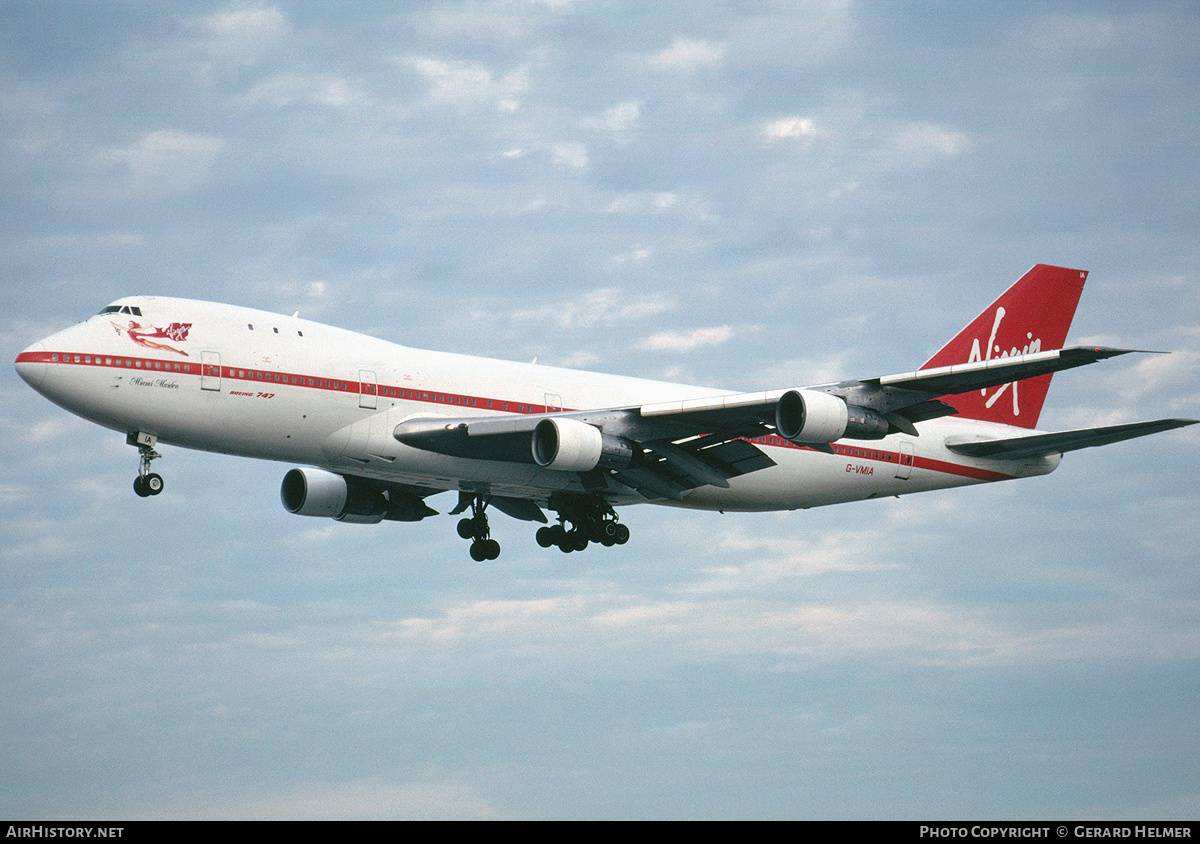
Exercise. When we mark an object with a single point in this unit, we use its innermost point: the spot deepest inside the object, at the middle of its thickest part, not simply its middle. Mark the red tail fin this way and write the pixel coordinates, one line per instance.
(1031, 316)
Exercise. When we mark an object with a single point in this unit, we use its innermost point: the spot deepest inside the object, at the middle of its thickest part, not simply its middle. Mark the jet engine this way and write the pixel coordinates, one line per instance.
(314, 492)
(569, 445)
(810, 416)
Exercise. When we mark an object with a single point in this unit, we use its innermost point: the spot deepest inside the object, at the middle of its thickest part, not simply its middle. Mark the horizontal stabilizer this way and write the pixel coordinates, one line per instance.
(1040, 445)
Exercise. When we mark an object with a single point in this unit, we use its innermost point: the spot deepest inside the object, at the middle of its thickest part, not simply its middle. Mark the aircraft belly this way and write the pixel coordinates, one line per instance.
(801, 478)
(804, 478)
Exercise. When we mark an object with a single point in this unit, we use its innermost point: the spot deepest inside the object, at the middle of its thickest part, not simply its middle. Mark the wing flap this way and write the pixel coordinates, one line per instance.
(1041, 445)
(695, 469)
(649, 483)
(737, 457)
(685, 467)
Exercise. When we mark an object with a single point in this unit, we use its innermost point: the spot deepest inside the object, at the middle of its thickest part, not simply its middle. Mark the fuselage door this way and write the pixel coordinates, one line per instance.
(368, 389)
(210, 371)
(904, 465)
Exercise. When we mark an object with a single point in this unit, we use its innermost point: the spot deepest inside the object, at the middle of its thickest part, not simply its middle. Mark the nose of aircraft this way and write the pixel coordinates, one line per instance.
(31, 365)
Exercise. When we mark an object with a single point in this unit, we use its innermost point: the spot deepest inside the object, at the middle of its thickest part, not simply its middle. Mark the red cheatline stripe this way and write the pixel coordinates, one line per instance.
(265, 377)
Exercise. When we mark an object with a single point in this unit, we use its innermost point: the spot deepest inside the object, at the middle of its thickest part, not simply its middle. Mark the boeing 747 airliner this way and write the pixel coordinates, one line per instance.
(377, 428)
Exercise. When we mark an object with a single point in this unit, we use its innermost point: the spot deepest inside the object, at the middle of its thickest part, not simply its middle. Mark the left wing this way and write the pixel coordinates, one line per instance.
(662, 450)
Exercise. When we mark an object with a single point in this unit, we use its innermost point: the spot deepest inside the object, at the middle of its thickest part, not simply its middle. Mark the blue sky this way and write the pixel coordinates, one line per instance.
(742, 195)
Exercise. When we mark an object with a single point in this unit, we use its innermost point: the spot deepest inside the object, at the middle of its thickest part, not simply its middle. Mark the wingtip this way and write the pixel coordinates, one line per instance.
(1173, 424)
(1105, 352)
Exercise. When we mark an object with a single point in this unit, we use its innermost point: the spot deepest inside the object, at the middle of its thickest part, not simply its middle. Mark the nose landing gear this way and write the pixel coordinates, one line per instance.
(146, 483)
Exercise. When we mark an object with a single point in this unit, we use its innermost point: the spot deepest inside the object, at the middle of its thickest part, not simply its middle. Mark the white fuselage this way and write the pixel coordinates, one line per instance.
(251, 383)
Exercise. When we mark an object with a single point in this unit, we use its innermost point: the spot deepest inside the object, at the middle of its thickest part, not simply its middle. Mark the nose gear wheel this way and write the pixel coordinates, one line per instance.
(146, 483)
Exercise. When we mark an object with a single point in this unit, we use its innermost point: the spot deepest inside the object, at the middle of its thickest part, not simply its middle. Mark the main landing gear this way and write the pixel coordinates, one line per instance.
(581, 520)
(475, 528)
(591, 520)
(146, 483)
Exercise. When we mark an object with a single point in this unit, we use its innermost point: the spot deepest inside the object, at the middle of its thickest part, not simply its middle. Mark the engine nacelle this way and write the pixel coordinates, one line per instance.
(315, 492)
(569, 445)
(865, 424)
(810, 416)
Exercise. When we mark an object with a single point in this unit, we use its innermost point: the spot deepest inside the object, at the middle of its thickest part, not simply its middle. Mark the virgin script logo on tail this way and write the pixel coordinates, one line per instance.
(994, 351)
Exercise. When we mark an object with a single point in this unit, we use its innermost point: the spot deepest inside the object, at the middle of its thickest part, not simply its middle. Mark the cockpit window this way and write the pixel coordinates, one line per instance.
(132, 310)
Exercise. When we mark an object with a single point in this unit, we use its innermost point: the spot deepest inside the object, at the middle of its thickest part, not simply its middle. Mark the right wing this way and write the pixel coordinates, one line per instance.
(664, 449)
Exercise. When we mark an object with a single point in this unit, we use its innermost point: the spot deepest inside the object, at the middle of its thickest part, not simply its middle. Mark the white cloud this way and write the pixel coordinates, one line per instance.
(633, 256)
(789, 128)
(772, 558)
(240, 35)
(688, 55)
(746, 619)
(818, 369)
(570, 154)
(688, 204)
(470, 84)
(685, 341)
(498, 21)
(579, 359)
(324, 90)
(244, 21)
(430, 795)
(619, 118)
(607, 306)
(925, 141)
(164, 162)
(628, 203)
(86, 241)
